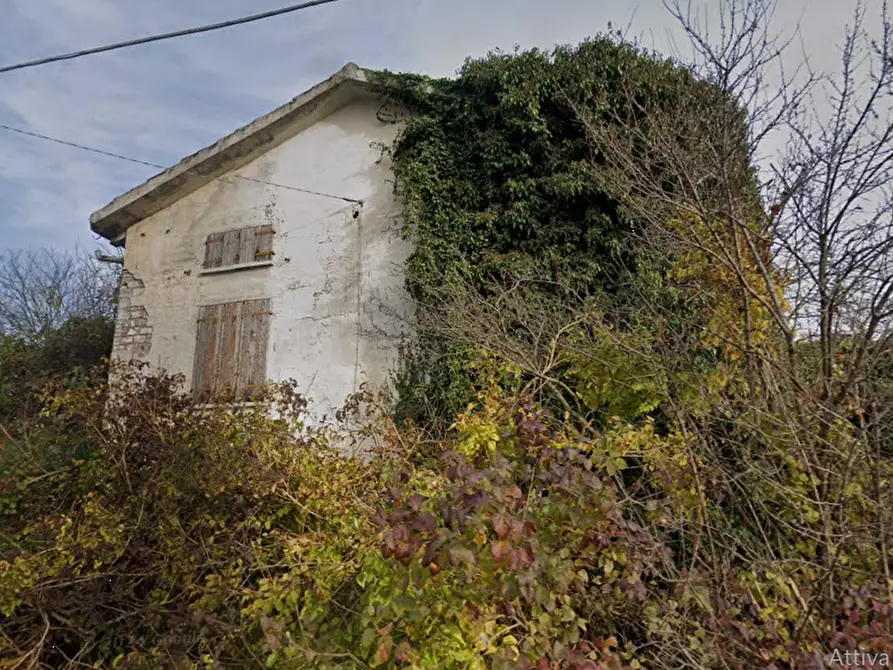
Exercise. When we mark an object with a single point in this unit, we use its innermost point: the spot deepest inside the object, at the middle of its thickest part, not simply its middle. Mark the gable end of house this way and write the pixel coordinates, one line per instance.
(230, 153)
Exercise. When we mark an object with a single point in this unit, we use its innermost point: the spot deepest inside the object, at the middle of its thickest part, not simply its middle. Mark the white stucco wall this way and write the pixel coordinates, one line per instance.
(336, 282)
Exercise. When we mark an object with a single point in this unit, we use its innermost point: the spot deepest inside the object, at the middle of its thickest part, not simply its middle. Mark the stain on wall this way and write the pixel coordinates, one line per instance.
(336, 280)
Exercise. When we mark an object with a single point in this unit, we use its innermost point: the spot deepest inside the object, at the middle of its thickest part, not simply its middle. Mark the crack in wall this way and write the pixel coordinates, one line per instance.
(358, 220)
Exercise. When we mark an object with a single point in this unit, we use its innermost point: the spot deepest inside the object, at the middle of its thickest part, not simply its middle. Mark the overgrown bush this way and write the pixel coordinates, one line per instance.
(60, 355)
(165, 531)
(494, 172)
(161, 534)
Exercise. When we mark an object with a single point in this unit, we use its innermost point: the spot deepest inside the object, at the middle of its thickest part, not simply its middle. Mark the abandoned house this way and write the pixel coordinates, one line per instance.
(273, 254)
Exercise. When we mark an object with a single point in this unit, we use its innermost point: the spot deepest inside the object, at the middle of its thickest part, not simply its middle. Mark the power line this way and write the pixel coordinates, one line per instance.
(162, 167)
(166, 36)
(80, 146)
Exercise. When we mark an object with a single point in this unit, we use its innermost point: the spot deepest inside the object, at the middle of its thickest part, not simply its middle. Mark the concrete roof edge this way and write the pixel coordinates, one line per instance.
(349, 73)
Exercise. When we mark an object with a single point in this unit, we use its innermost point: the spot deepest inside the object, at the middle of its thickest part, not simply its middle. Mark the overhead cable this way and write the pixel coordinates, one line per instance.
(122, 157)
(166, 36)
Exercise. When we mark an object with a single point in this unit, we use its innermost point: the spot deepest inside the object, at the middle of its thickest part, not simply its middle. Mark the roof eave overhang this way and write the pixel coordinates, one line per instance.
(230, 153)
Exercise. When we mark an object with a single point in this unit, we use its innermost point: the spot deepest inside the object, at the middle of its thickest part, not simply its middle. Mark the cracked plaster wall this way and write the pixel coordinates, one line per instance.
(336, 283)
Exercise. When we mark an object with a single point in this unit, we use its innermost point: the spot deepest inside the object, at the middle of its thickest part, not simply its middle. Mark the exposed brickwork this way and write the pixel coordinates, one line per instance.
(133, 332)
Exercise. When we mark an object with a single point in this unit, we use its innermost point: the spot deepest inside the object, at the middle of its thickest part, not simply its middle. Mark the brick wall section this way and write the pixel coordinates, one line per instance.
(133, 333)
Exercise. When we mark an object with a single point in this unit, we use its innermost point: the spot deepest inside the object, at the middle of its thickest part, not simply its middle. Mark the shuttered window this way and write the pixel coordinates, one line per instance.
(238, 247)
(231, 349)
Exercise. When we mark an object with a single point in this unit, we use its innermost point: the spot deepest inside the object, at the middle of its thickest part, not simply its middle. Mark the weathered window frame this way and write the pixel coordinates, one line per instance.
(238, 249)
(231, 343)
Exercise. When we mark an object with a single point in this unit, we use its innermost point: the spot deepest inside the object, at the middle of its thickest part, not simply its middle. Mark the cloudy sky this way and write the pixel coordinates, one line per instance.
(163, 101)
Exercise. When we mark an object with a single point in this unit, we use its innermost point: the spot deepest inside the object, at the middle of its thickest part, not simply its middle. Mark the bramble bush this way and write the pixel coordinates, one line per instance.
(171, 535)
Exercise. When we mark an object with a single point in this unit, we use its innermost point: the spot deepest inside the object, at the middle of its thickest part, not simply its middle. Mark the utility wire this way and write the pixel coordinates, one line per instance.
(162, 167)
(79, 146)
(166, 36)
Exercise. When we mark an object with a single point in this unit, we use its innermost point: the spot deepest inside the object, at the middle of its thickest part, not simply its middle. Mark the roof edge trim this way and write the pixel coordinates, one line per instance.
(228, 153)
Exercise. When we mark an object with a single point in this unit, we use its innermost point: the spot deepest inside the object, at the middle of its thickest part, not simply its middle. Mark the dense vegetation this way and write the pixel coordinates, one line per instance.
(78, 345)
(606, 453)
(495, 170)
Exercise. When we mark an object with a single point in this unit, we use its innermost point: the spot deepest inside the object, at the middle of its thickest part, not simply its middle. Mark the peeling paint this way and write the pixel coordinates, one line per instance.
(335, 284)
(133, 332)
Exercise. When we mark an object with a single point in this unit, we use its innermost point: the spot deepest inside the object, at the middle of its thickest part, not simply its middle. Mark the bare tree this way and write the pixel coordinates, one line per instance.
(801, 246)
(825, 218)
(42, 288)
(520, 321)
(833, 224)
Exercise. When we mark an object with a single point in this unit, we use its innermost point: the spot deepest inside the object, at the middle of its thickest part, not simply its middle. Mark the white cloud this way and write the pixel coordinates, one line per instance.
(160, 102)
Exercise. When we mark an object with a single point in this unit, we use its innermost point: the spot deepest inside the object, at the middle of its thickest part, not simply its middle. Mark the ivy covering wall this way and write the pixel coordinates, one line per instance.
(494, 168)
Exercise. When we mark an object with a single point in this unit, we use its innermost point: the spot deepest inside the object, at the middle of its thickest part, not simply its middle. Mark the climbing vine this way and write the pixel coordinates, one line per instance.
(494, 171)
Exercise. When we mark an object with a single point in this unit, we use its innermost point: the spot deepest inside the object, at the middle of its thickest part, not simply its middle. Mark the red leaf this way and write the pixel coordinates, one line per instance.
(401, 653)
(430, 554)
(425, 522)
(519, 559)
(500, 550)
(501, 525)
(402, 551)
(383, 653)
(415, 502)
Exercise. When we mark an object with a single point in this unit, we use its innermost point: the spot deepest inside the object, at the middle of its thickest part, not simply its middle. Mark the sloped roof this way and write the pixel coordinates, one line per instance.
(229, 153)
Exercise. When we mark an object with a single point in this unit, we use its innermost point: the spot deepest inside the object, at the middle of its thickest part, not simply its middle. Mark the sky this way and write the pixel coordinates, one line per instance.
(163, 101)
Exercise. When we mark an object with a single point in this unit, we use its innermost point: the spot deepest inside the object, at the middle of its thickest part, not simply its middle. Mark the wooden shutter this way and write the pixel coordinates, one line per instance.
(204, 370)
(254, 336)
(231, 245)
(231, 348)
(214, 250)
(263, 243)
(239, 246)
(229, 324)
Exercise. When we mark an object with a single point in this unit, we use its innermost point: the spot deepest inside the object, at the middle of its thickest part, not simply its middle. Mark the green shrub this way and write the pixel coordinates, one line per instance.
(161, 534)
